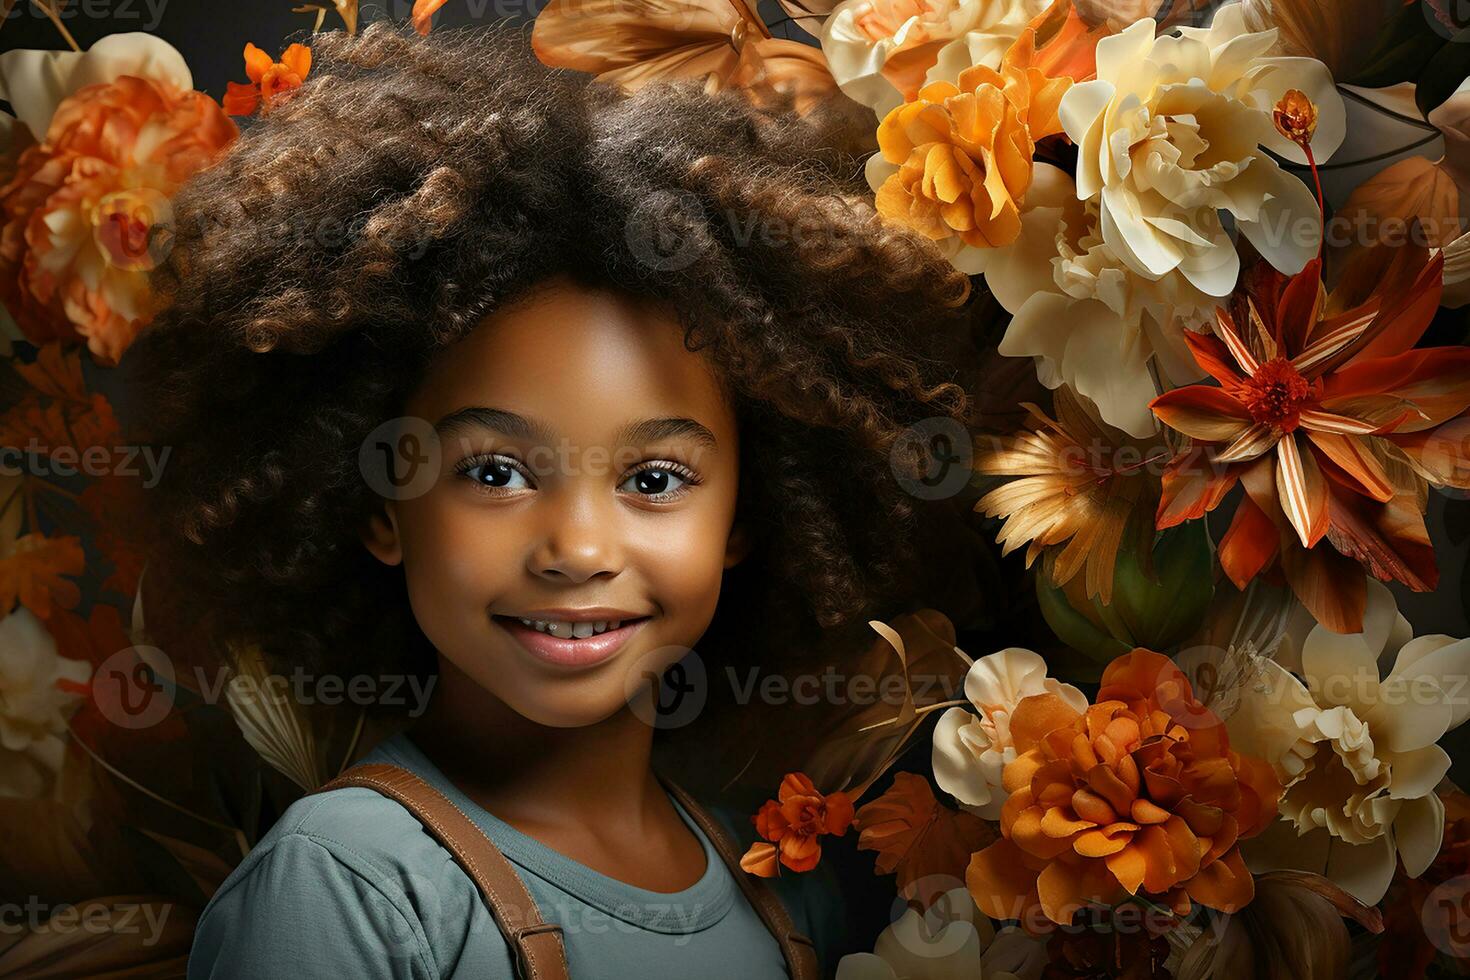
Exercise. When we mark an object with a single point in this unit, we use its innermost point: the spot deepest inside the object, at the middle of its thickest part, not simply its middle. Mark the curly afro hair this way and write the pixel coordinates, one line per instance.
(414, 185)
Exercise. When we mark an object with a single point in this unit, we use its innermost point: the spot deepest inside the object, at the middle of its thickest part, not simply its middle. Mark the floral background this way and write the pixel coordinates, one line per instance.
(1212, 724)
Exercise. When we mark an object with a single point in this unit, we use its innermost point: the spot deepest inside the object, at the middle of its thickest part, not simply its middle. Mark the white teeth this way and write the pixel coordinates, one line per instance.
(565, 629)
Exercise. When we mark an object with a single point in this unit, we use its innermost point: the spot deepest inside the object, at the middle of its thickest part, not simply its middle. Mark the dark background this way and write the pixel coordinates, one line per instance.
(211, 35)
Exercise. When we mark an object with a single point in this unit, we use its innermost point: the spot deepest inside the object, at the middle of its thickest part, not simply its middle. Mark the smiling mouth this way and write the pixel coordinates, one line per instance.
(561, 645)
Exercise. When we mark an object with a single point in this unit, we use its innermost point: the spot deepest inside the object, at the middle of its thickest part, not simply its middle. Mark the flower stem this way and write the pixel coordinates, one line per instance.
(47, 7)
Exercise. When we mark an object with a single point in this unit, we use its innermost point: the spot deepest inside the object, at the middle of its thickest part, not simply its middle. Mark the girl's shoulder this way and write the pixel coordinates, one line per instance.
(348, 882)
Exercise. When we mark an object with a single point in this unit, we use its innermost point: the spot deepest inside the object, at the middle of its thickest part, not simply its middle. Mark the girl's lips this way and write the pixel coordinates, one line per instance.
(570, 652)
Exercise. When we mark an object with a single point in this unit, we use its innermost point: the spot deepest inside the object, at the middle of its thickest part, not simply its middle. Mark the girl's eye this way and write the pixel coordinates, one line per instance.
(661, 481)
(494, 473)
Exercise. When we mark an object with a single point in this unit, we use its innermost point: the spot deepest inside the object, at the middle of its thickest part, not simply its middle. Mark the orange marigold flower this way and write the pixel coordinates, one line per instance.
(268, 79)
(1140, 793)
(954, 162)
(792, 824)
(87, 213)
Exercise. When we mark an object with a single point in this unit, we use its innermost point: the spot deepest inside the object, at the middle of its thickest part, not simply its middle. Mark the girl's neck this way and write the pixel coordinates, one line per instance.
(533, 775)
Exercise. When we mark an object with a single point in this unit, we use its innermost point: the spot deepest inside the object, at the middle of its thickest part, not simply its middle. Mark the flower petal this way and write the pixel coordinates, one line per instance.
(1202, 412)
(1418, 832)
(1302, 491)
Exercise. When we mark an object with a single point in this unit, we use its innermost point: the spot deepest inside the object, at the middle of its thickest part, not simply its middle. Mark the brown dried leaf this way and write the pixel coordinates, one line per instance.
(1339, 33)
(925, 843)
(1413, 188)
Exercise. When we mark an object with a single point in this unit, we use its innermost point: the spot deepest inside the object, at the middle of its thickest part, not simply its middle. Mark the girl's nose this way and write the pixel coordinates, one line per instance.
(579, 539)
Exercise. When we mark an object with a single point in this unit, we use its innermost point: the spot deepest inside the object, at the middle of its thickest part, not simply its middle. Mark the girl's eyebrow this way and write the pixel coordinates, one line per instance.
(519, 426)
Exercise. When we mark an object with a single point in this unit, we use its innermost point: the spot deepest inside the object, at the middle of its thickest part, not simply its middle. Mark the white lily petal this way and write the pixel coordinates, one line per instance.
(1416, 773)
(1419, 832)
(1362, 870)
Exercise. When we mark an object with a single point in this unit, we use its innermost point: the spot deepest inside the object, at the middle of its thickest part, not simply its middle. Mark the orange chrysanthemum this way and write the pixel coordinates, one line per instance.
(268, 79)
(1140, 794)
(964, 150)
(792, 824)
(86, 215)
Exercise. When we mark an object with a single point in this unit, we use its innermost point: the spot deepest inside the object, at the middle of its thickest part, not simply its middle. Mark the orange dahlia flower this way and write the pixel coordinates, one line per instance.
(1141, 793)
(792, 824)
(954, 162)
(86, 215)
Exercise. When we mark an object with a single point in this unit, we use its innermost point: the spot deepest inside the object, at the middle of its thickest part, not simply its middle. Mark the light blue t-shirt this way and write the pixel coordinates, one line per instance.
(349, 884)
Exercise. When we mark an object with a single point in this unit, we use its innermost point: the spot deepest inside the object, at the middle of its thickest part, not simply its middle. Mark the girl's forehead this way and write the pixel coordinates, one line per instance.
(582, 361)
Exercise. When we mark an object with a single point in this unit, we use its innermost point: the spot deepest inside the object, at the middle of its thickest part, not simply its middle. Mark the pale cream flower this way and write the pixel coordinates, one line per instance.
(33, 708)
(35, 82)
(972, 748)
(951, 939)
(1171, 133)
(881, 52)
(1356, 753)
(1089, 320)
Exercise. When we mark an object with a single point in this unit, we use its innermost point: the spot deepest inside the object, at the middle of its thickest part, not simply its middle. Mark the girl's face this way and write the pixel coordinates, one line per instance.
(588, 476)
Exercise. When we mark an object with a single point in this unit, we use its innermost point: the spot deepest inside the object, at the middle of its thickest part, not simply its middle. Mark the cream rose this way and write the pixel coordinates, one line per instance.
(1171, 133)
(1357, 753)
(882, 52)
(950, 939)
(1089, 320)
(971, 749)
(35, 82)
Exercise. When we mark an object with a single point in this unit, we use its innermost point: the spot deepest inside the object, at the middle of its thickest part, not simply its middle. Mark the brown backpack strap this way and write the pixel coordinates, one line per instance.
(536, 945)
(799, 950)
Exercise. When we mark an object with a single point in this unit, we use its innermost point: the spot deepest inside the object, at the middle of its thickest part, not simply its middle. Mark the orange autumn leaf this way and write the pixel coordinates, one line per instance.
(268, 79)
(918, 838)
(1384, 204)
(55, 373)
(792, 825)
(114, 504)
(33, 574)
(59, 411)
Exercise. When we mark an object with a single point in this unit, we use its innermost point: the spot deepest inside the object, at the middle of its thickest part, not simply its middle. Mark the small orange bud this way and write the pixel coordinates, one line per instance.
(1295, 116)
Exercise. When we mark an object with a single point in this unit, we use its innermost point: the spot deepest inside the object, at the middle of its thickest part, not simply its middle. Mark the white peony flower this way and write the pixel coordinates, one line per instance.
(881, 52)
(949, 941)
(1170, 134)
(1356, 753)
(34, 82)
(1088, 319)
(33, 708)
(971, 750)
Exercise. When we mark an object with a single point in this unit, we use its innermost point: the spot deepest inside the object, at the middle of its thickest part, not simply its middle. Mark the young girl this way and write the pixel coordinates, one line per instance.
(471, 366)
